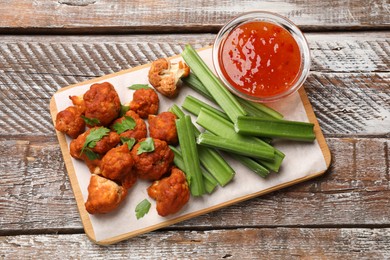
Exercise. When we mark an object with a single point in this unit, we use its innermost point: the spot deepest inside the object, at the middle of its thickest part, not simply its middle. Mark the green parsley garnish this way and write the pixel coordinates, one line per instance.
(90, 121)
(146, 146)
(124, 109)
(129, 141)
(142, 208)
(94, 136)
(139, 86)
(128, 123)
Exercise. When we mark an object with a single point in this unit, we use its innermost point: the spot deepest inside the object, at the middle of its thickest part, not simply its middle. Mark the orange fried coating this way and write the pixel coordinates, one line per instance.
(102, 146)
(102, 103)
(152, 165)
(129, 180)
(163, 127)
(69, 121)
(164, 76)
(79, 103)
(93, 165)
(104, 195)
(117, 163)
(171, 193)
(139, 131)
(145, 102)
(106, 143)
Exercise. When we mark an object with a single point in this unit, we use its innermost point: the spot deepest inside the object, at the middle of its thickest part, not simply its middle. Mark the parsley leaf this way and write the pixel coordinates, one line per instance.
(139, 86)
(146, 146)
(91, 154)
(124, 109)
(142, 208)
(128, 123)
(90, 121)
(129, 141)
(94, 136)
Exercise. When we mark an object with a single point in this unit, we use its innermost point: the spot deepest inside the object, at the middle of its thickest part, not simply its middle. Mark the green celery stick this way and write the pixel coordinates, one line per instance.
(292, 130)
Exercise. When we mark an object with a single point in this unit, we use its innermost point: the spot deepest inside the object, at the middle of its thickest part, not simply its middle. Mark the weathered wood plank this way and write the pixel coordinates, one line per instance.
(36, 193)
(353, 101)
(88, 16)
(279, 243)
(92, 56)
(348, 103)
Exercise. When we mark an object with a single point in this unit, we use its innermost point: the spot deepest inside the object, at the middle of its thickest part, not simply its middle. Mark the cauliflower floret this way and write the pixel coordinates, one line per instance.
(69, 121)
(101, 147)
(138, 132)
(163, 127)
(78, 102)
(145, 102)
(152, 165)
(102, 103)
(171, 193)
(164, 76)
(104, 195)
(117, 163)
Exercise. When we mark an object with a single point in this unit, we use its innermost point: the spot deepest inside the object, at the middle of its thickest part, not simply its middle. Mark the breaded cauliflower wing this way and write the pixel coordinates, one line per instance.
(145, 102)
(102, 103)
(163, 127)
(152, 165)
(104, 195)
(69, 122)
(171, 193)
(165, 76)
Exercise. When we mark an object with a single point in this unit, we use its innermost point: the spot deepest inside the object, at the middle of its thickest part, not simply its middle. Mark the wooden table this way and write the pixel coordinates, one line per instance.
(345, 214)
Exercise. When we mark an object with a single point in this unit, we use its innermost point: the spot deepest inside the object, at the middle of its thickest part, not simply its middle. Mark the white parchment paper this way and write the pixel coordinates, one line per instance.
(302, 159)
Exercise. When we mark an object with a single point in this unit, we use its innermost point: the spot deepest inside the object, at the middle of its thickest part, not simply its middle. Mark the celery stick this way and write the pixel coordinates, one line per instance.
(252, 108)
(216, 165)
(193, 82)
(210, 159)
(259, 109)
(209, 182)
(221, 95)
(186, 136)
(177, 111)
(222, 127)
(252, 165)
(193, 105)
(292, 130)
(251, 149)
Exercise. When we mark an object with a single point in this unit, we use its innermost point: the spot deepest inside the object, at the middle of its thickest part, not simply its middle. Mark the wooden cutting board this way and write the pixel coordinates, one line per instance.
(101, 229)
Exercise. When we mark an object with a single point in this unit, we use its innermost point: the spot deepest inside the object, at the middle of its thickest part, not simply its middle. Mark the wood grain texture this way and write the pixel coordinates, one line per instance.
(104, 16)
(36, 195)
(348, 86)
(250, 243)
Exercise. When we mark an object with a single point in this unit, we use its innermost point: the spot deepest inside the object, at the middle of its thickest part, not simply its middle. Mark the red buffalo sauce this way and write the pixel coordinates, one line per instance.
(260, 59)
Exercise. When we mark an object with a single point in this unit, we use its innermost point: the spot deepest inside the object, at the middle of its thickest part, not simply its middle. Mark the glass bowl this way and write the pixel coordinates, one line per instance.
(270, 18)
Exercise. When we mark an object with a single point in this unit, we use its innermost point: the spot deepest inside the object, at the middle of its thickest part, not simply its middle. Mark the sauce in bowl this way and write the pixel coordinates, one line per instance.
(260, 60)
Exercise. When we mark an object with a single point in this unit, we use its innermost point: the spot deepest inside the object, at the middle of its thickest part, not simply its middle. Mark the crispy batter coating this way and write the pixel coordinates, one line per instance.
(152, 165)
(117, 163)
(93, 165)
(164, 76)
(69, 121)
(78, 102)
(171, 193)
(163, 127)
(145, 102)
(129, 180)
(102, 103)
(104, 195)
(102, 146)
(107, 143)
(139, 131)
